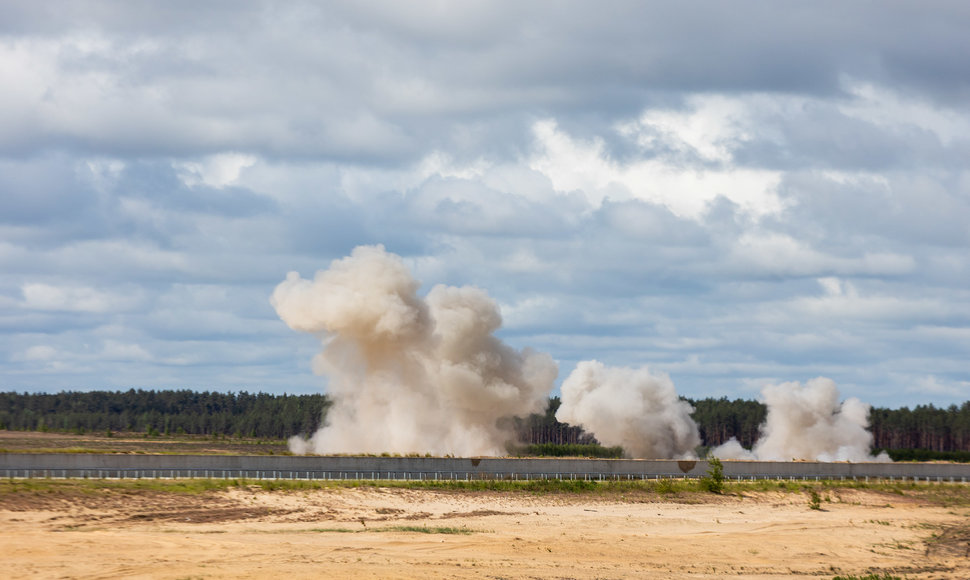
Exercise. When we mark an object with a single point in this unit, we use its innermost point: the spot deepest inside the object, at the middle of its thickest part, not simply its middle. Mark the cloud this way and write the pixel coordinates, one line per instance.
(732, 194)
(40, 352)
(118, 351)
(215, 171)
(780, 254)
(844, 302)
(934, 386)
(41, 296)
(687, 189)
(341, 82)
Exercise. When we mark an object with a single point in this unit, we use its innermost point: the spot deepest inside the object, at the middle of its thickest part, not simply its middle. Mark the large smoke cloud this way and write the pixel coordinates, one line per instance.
(426, 375)
(409, 374)
(808, 422)
(629, 407)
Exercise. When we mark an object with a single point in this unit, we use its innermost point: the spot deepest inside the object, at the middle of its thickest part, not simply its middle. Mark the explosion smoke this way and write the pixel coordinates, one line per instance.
(409, 375)
(808, 423)
(629, 407)
(426, 375)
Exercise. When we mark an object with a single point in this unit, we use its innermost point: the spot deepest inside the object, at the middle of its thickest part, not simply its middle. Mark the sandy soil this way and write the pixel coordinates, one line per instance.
(361, 533)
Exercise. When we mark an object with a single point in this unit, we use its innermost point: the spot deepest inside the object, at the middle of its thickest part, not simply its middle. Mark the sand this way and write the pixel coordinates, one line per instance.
(401, 533)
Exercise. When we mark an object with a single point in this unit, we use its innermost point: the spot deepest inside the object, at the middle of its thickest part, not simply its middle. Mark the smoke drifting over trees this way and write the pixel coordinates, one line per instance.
(632, 408)
(808, 422)
(412, 374)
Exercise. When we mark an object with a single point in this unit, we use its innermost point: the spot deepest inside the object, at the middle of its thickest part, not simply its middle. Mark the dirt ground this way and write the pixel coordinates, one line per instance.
(405, 533)
(40, 442)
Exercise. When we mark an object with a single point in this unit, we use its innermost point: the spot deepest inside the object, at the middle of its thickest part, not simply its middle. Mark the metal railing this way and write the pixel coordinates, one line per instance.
(326, 475)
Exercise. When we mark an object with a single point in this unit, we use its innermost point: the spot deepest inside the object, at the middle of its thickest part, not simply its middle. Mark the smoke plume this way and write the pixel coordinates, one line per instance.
(808, 423)
(629, 407)
(409, 374)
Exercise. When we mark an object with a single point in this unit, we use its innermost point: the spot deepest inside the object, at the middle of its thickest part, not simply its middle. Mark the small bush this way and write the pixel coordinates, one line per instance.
(815, 501)
(714, 480)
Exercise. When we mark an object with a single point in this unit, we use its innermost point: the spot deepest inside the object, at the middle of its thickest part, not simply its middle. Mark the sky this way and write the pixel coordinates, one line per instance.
(732, 193)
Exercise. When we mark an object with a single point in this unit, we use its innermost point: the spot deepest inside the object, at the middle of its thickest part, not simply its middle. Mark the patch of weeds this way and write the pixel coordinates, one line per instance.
(408, 529)
(426, 530)
(886, 576)
(559, 486)
(665, 486)
(898, 545)
(814, 500)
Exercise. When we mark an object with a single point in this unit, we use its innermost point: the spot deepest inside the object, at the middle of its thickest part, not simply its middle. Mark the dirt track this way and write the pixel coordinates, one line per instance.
(400, 533)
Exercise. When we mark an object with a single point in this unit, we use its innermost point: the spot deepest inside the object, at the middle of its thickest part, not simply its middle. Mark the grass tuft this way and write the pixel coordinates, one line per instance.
(943, 494)
(886, 576)
(425, 530)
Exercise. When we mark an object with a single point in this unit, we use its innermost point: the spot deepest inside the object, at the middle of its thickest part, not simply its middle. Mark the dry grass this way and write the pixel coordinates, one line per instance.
(40, 442)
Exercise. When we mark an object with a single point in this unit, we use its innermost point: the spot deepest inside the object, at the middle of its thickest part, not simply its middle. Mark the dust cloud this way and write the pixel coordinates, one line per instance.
(633, 408)
(409, 374)
(426, 375)
(808, 423)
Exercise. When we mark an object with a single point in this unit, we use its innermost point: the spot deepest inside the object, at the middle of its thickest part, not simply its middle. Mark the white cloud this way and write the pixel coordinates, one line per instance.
(686, 188)
(217, 170)
(894, 111)
(780, 254)
(709, 129)
(40, 296)
(850, 304)
(26, 72)
(723, 206)
(932, 385)
(571, 164)
(531, 311)
(120, 351)
(101, 173)
(40, 352)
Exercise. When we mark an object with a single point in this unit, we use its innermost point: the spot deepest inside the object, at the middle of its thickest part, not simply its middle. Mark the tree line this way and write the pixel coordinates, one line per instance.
(171, 412)
(926, 427)
(941, 430)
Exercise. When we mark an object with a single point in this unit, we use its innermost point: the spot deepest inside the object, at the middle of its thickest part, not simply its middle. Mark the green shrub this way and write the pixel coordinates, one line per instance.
(714, 480)
(815, 501)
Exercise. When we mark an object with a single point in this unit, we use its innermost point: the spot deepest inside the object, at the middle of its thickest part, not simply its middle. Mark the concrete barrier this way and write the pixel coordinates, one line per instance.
(361, 467)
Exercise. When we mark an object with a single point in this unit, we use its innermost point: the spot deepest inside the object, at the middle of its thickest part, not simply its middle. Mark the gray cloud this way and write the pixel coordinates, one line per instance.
(736, 195)
(376, 81)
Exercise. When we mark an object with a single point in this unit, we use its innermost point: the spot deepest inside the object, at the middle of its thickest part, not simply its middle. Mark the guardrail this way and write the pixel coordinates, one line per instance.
(318, 475)
(93, 466)
(403, 476)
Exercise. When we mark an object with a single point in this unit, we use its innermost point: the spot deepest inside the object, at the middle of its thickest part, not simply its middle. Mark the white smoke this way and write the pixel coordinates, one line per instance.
(808, 423)
(426, 375)
(409, 374)
(629, 407)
